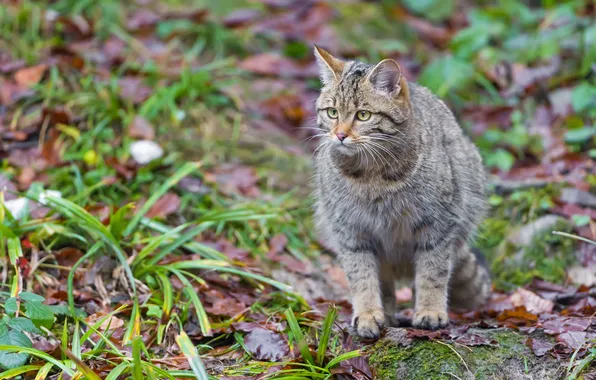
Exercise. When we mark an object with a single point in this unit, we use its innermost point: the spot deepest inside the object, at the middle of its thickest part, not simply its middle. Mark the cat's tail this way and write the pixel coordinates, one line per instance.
(470, 285)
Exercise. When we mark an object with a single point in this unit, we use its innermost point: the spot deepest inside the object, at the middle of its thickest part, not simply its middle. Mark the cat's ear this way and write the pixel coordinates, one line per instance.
(330, 66)
(386, 77)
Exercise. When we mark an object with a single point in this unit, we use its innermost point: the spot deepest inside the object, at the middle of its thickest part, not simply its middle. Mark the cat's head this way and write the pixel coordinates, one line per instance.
(361, 106)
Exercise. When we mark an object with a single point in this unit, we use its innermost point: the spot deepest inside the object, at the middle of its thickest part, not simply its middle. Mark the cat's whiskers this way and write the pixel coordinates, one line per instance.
(384, 149)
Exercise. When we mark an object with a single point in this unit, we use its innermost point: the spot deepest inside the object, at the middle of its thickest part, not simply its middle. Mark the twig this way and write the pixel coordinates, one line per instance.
(457, 353)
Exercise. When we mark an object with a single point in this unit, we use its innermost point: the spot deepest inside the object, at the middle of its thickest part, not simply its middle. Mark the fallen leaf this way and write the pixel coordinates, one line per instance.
(517, 316)
(531, 301)
(165, 205)
(235, 179)
(475, 340)
(141, 128)
(575, 339)
(241, 18)
(266, 345)
(403, 294)
(134, 90)
(560, 325)
(538, 346)
(68, 257)
(112, 322)
(419, 333)
(582, 275)
(272, 64)
(30, 76)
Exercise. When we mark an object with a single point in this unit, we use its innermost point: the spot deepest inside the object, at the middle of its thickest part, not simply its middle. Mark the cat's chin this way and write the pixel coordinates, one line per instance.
(345, 150)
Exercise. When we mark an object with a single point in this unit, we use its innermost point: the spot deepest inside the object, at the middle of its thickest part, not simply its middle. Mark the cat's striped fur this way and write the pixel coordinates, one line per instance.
(399, 197)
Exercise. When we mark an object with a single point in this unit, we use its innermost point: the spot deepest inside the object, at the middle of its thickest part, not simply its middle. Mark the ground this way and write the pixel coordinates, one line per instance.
(156, 218)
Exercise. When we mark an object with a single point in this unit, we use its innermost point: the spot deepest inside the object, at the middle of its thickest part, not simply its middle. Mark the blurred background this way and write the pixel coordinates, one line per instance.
(122, 121)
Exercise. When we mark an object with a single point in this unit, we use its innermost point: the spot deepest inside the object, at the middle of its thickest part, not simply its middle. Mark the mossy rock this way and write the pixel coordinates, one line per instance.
(427, 359)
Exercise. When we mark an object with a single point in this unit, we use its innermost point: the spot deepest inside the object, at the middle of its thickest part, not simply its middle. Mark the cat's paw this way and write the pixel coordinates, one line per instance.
(369, 324)
(429, 319)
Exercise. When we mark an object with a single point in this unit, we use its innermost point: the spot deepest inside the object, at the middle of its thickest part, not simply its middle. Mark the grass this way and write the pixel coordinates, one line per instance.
(162, 267)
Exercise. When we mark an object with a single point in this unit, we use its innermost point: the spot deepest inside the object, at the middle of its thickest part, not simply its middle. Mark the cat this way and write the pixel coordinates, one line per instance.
(399, 191)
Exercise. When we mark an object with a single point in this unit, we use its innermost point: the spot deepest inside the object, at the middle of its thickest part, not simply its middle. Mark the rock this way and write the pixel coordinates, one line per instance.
(524, 235)
(145, 151)
(578, 197)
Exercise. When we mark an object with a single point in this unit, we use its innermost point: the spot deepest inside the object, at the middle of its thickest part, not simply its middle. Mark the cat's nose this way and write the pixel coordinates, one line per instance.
(341, 136)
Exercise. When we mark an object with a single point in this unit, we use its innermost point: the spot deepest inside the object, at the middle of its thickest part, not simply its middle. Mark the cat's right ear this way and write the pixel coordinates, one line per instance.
(330, 66)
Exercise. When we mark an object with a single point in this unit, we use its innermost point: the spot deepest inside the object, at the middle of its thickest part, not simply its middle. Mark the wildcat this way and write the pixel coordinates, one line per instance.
(399, 191)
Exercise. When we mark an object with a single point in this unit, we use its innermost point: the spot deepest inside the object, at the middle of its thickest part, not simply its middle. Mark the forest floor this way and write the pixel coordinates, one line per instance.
(155, 161)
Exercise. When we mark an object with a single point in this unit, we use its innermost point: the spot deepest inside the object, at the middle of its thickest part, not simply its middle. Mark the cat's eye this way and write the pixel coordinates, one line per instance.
(332, 113)
(363, 115)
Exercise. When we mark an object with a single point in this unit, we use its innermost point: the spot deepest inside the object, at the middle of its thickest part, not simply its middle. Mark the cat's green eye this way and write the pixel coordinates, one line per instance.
(332, 113)
(363, 115)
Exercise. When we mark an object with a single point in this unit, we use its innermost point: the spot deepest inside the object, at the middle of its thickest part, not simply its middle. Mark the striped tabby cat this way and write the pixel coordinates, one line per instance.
(399, 191)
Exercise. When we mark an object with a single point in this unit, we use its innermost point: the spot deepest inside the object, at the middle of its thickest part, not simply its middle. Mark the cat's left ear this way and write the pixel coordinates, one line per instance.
(386, 77)
(331, 67)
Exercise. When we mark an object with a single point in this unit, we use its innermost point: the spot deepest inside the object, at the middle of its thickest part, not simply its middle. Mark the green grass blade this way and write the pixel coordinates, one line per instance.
(326, 334)
(299, 337)
(80, 215)
(168, 295)
(181, 240)
(185, 170)
(137, 368)
(82, 367)
(134, 324)
(14, 372)
(192, 355)
(196, 301)
(348, 355)
(223, 266)
(118, 370)
(193, 246)
(39, 354)
(157, 241)
(44, 371)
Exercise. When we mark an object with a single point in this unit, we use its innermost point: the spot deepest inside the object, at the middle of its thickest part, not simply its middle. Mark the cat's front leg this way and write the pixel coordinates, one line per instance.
(431, 284)
(362, 271)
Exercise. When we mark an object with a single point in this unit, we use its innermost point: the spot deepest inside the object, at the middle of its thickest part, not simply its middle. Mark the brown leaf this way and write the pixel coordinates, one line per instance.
(235, 179)
(30, 76)
(470, 339)
(241, 17)
(8, 188)
(538, 346)
(531, 301)
(266, 345)
(277, 244)
(517, 316)
(166, 205)
(68, 256)
(272, 64)
(419, 333)
(560, 325)
(575, 339)
(141, 128)
(111, 323)
(142, 19)
(134, 89)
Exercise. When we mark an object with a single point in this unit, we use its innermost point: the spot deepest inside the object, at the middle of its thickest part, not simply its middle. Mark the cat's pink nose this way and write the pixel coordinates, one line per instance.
(341, 136)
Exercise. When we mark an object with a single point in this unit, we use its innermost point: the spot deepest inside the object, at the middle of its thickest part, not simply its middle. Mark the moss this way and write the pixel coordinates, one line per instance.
(438, 360)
